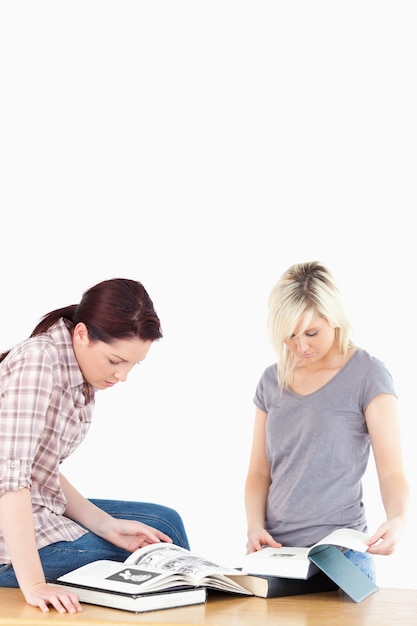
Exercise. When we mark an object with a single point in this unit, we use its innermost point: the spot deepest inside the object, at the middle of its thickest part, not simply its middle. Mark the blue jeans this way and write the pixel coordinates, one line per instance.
(364, 561)
(59, 558)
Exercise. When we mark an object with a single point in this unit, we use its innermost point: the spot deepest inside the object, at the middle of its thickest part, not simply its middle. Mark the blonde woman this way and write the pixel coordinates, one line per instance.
(319, 410)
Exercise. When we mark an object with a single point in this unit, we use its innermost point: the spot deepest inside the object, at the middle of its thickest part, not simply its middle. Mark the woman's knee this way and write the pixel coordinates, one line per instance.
(164, 518)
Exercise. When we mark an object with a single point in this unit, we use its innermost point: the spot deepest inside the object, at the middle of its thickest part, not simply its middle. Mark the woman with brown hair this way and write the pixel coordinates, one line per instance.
(47, 389)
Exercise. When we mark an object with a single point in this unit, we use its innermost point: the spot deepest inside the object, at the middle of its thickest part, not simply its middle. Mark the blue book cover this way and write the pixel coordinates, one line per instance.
(343, 572)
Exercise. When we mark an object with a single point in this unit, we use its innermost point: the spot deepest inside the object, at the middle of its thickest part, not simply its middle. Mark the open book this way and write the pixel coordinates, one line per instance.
(165, 567)
(294, 562)
(160, 567)
(324, 556)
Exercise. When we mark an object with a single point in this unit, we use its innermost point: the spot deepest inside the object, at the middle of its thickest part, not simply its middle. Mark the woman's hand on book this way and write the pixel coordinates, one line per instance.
(386, 537)
(42, 595)
(131, 535)
(258, 538)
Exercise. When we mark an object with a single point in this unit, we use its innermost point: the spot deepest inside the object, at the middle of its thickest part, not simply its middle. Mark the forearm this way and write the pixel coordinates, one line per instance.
(83, 511)
(395, 496)
(16, 522)
(256, 492)
(124, 533)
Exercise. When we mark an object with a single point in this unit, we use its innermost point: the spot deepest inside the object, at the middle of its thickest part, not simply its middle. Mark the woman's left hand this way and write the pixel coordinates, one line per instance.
(385, 539)
(131, 535)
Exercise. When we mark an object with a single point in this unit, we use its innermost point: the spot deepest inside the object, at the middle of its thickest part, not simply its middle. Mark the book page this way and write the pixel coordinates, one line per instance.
(120, 577)
(294, 562)
(346, 538)
(287, 562)
(174, 559)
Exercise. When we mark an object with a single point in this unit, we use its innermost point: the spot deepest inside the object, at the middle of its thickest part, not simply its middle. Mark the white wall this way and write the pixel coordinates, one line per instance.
(203, 147)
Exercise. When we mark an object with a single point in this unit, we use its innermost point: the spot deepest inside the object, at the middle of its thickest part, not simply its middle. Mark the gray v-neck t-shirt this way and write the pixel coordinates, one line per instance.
(318, 449)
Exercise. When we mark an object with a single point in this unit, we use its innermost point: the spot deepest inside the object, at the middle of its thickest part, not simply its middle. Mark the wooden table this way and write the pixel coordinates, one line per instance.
(385, 607)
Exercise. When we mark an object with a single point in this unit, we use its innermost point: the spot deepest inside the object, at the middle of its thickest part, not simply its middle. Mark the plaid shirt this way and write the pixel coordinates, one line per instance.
(45, 413)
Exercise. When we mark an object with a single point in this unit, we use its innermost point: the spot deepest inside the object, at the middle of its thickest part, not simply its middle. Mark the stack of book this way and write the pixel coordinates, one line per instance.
(164, 575)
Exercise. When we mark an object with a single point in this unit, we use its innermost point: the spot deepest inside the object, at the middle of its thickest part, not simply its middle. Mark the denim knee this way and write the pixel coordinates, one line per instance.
(363, 561)
(164, 518)
(7, 576)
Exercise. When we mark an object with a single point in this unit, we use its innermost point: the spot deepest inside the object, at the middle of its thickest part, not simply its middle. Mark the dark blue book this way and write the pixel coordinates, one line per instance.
(265, 586)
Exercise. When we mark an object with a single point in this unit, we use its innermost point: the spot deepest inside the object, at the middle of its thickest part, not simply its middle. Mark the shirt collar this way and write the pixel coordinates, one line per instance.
(61, 336)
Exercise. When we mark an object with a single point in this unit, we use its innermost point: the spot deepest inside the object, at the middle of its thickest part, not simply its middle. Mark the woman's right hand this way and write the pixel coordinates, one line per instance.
(258, 539)
(43, 595)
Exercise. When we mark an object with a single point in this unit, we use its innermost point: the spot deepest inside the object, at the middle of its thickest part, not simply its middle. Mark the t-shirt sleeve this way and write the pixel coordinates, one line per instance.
(377, 380)
(266, 389)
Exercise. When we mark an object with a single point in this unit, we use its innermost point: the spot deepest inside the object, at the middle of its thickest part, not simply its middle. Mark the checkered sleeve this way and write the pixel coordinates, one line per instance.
(25, 396)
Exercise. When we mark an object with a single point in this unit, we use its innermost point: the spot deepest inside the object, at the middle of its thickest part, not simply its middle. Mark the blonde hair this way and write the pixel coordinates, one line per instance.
(305, 289)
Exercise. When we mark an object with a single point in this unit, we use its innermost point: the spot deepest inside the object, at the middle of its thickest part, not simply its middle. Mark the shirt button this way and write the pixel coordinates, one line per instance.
(13, 464)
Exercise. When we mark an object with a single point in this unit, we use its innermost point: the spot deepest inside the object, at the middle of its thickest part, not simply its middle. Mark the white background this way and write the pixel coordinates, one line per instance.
(202, 148)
